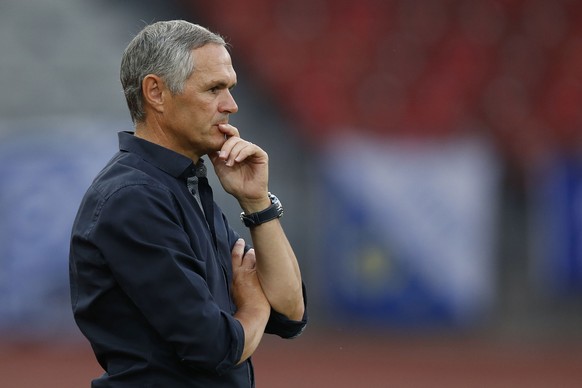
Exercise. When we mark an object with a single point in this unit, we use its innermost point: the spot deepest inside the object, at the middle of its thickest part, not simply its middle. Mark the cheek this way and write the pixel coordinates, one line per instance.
(197, 115)
(204, 115)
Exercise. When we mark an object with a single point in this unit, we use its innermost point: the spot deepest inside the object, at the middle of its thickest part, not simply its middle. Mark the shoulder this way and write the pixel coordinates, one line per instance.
(128, 186)
(126, 174)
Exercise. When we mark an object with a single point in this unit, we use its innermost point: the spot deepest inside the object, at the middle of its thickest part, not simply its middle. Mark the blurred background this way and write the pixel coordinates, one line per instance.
(428, 154)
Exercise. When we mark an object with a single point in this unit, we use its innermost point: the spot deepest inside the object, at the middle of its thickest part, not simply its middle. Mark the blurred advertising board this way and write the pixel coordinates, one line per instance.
(45, 167)
(409, 231)
(556, 211)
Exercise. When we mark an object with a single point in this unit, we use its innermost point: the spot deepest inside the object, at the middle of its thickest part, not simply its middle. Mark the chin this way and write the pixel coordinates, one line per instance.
(215, 145)
(220, 140)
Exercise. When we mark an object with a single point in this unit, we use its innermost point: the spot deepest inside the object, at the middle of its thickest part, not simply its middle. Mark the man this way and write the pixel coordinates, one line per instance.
(164, 289)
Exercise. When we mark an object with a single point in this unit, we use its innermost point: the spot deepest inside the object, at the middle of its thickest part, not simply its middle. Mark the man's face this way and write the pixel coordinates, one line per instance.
(192, 117)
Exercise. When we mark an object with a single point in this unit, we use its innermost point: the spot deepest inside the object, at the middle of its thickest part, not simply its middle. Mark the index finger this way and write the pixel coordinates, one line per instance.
(229, 130)
(249, 259)
(238, 252)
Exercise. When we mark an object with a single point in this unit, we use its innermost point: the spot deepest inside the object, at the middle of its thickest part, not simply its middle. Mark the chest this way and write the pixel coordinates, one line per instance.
(210, 243)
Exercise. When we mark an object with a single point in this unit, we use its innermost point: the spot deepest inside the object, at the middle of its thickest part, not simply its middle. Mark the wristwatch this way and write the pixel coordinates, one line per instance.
(270, 213)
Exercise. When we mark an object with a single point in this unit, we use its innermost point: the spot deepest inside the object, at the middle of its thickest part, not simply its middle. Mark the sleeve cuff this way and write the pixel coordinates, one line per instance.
(284, 327)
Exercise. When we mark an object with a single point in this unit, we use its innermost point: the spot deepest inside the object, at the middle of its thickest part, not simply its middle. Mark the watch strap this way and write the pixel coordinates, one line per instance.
(258, 218)
(275, 210)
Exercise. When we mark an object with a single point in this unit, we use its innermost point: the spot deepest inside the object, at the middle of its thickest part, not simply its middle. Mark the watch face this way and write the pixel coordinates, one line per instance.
(275, 201)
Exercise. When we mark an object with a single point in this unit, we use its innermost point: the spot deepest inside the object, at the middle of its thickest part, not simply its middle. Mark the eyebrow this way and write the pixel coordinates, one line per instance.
(221, 84)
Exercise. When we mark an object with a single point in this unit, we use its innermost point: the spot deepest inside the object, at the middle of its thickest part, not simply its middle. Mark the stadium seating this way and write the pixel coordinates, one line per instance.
(511, 69)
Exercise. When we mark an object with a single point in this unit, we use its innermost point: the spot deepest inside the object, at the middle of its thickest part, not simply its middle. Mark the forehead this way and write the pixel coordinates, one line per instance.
(213, 61)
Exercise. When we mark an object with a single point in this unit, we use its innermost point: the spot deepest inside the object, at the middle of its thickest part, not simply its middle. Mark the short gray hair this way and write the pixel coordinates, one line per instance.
(164, 49)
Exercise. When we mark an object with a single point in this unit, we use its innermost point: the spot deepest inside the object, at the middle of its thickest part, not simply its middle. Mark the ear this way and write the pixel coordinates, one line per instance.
(154, 92)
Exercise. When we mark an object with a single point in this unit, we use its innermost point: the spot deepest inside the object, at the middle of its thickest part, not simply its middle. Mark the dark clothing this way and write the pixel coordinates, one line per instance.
(150, 276)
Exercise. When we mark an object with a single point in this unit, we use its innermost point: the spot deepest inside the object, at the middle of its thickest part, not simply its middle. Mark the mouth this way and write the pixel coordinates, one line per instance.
(218, 124)
(222, 119)
(224, 136)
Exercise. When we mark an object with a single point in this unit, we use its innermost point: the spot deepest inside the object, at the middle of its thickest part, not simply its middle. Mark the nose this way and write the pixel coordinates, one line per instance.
(228, 105)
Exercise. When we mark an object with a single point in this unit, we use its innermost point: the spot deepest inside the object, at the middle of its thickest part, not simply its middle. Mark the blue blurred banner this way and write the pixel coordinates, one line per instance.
(45, 167)
(409, 231)
(557, 226)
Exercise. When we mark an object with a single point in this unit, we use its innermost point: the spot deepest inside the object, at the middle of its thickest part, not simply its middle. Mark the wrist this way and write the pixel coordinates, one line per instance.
(255, 205)
(271, 211)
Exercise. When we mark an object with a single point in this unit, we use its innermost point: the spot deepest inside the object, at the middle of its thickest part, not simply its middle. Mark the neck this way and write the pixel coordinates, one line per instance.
(155, 134)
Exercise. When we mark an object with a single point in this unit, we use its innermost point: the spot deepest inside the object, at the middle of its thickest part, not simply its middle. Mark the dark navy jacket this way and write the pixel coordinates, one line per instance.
(150, 286)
